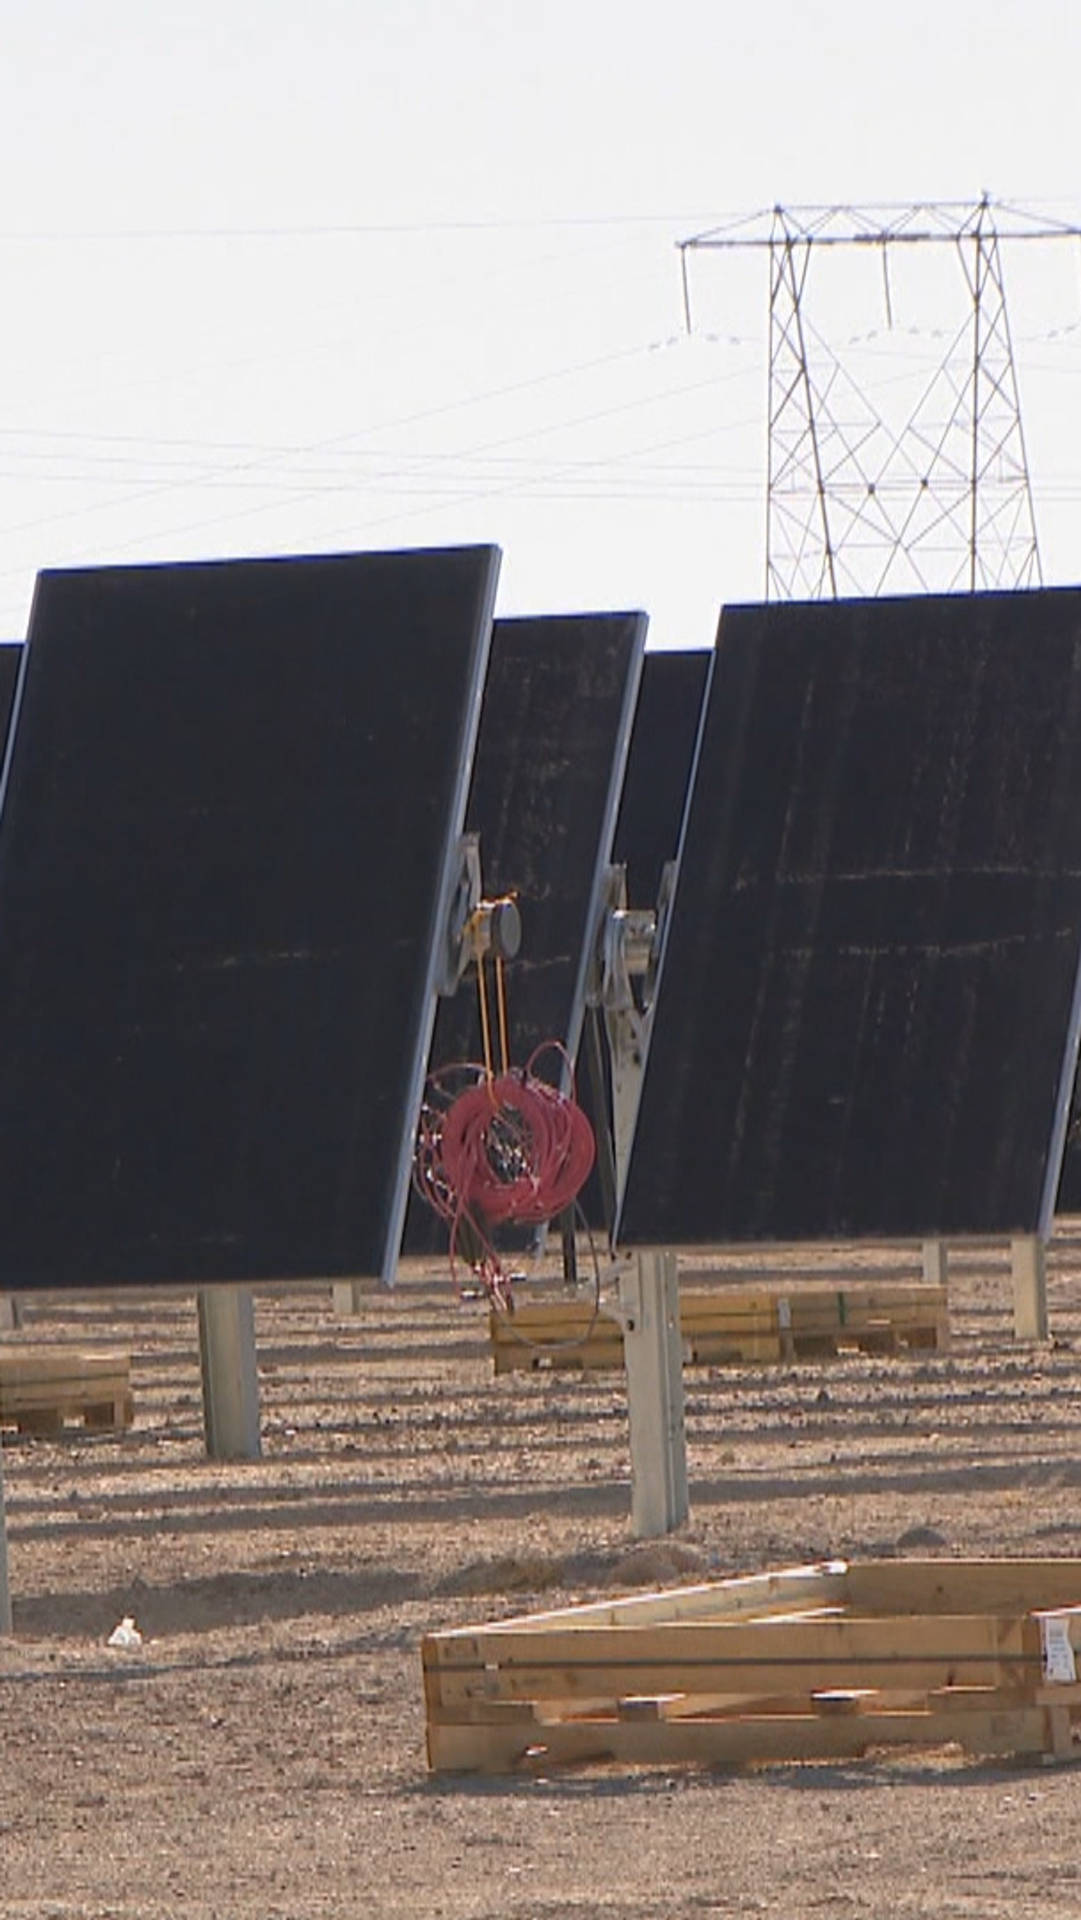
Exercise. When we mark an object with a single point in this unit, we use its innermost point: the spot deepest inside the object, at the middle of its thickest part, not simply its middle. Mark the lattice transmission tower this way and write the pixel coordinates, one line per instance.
(937, 501)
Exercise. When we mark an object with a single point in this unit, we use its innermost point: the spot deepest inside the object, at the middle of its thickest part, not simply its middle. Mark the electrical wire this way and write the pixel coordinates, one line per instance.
(495, 1150)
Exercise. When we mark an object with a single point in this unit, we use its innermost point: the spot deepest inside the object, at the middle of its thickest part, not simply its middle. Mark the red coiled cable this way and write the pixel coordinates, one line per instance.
(516, 1148)
(508, 1149)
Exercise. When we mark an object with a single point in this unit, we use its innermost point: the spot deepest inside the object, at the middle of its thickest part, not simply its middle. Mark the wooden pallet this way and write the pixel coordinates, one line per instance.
(877, 1318)
(806, 1663)
(727, 1325)
(44, 1388)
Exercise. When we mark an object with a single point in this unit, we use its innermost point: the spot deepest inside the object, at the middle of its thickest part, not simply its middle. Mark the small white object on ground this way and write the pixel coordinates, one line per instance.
(126, 1635)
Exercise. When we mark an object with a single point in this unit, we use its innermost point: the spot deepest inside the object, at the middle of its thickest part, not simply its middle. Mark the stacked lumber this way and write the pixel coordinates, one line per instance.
(43, 1388)
(878, 1318)
(806, 1663)
(732, 1325)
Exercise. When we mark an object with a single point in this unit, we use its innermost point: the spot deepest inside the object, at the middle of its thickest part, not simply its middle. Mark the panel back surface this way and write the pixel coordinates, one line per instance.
(227, 841)
(554, 734)
(651, 810)
(11, 654)
(867, 1013)
(659, 768)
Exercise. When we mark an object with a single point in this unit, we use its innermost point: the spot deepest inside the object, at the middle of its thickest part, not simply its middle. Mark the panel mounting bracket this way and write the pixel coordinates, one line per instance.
(623, 986)
(475, 926)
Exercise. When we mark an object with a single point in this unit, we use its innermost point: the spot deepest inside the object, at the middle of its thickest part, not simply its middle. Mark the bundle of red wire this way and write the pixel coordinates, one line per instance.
(509, 1149)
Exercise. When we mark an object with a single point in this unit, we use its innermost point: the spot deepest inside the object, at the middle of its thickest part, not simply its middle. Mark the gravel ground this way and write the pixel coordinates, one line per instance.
(262, 1754)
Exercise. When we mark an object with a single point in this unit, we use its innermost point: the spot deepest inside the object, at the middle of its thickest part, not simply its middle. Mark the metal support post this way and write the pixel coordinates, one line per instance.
(935, 1263)
(599, 1095)
(624, 988)
(10, 1319)
(348, 1297)
(6, 1624)
(1029, 1268)
(230, 1375)
(653, 1351)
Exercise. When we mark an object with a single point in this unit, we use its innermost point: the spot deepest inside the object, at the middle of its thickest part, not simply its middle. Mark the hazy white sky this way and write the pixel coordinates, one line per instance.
(282, 278)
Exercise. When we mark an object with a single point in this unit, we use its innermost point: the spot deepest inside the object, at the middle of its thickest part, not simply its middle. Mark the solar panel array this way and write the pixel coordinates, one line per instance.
(229, 832)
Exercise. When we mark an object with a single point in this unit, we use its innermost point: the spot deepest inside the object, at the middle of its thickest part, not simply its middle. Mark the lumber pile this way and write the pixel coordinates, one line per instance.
(806, 1663)
(729, 1325)
(44, 1388)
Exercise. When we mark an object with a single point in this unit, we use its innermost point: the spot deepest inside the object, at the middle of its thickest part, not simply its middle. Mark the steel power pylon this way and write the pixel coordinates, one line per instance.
(944, 502)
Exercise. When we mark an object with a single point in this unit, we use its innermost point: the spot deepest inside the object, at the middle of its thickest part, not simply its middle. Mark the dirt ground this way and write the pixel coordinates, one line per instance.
(262, 1755)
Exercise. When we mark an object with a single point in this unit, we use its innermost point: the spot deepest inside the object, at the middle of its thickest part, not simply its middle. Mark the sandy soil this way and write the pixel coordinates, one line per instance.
(263, 1753)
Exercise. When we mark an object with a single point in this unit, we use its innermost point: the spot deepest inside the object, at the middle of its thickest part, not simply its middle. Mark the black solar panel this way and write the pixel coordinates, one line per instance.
(11, 654)
(659, 768)
(226, 843)
(651, 809)
(867, 1017)
(554, 732)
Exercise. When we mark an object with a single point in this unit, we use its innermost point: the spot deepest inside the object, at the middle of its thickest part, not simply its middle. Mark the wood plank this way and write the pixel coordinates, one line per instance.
(721, 1656)
(853, 1297)
(99, 1416)
(60, 1392)
(760, 1595)
(26, 1364)
(719, 1347)
(776, 1666)
(963, 1586)
(979, 1730)
(42, 1387)
(729, 1326)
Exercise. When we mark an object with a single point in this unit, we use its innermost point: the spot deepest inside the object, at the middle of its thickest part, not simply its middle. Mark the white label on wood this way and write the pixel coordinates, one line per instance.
(1059, 1665)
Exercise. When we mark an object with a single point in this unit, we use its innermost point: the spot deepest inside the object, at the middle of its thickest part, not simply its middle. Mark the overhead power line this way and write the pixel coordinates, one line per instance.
(343, 229)
(856, 505)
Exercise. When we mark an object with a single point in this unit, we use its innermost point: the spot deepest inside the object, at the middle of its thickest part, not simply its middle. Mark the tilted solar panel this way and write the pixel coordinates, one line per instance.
(554, 732)
(227, 842)
(867, 1012)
